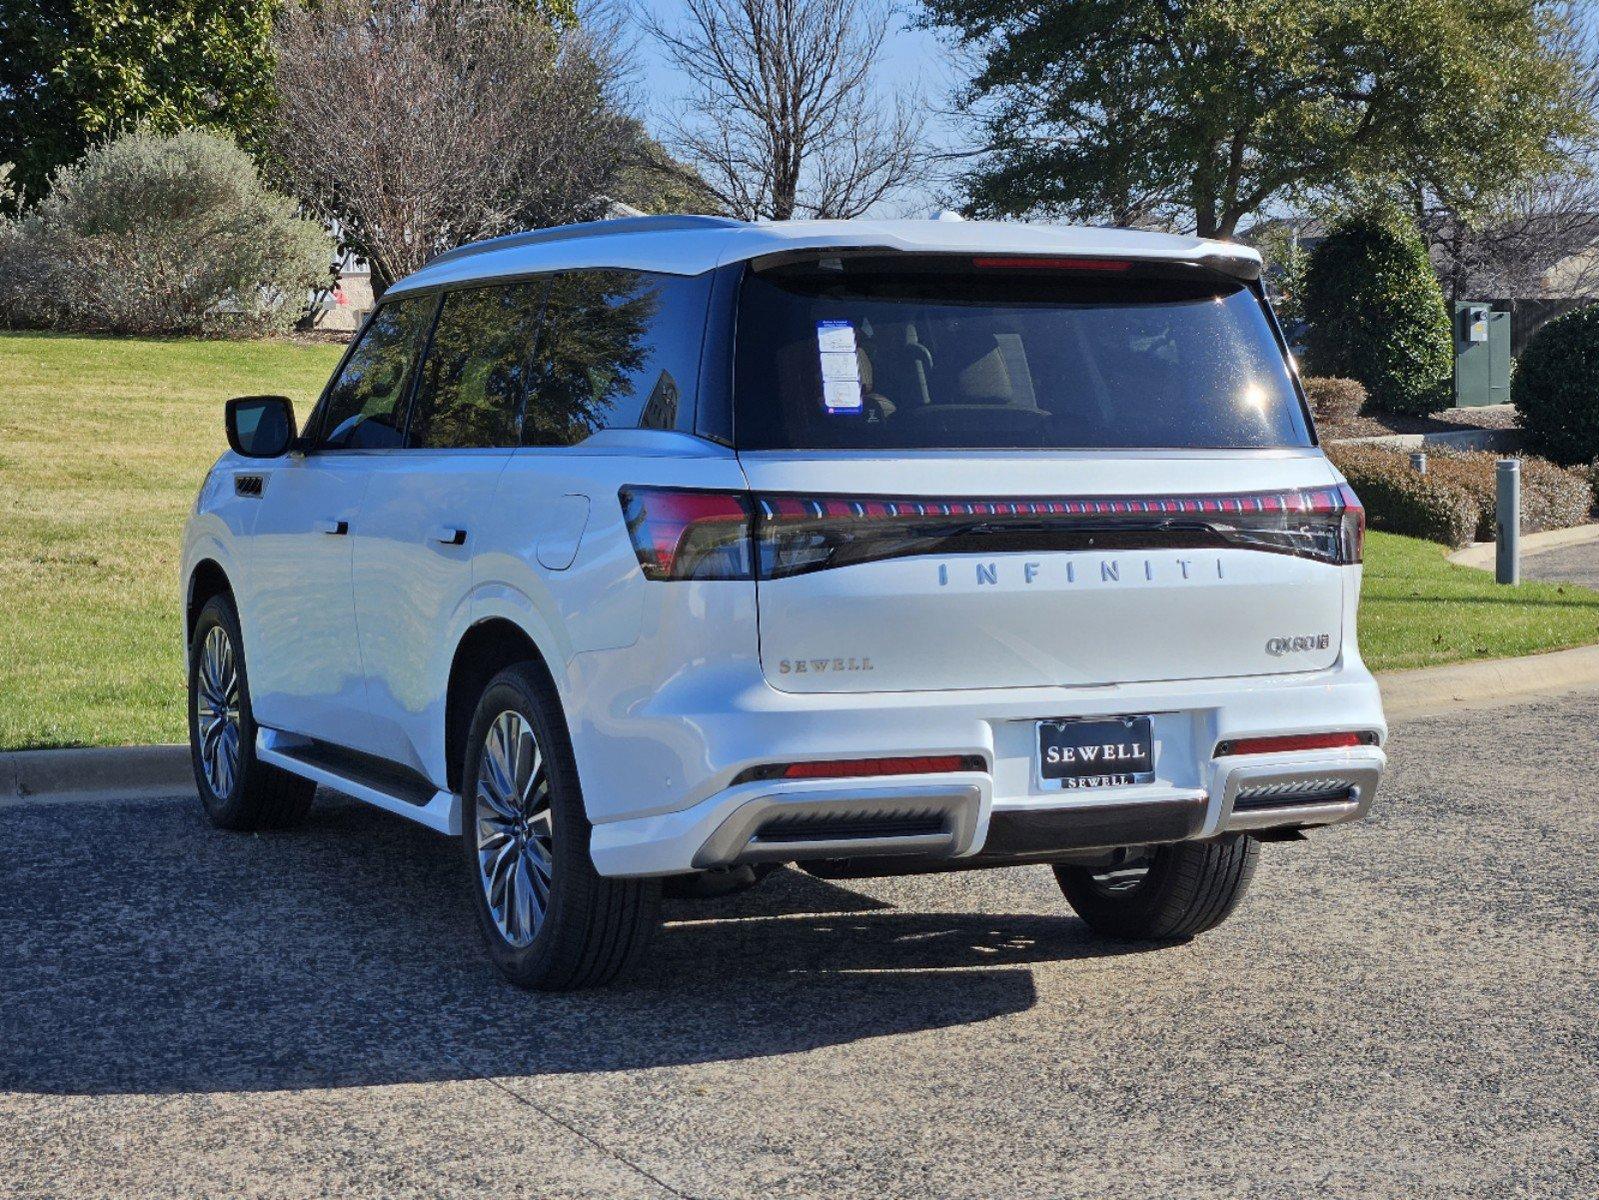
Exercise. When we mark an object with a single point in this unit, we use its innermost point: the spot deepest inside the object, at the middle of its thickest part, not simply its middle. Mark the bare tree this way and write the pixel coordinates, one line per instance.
(416, 125)
(783, 118)
(1538, 240)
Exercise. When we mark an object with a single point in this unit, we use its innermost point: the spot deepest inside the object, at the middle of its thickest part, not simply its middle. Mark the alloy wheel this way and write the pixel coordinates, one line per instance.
(515, 828)
(217, 712)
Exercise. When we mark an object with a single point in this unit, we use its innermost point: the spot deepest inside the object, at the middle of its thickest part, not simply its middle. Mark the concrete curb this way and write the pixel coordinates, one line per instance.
(1488, 683)
(1504, 441)
(124, 771)
(1481, 554)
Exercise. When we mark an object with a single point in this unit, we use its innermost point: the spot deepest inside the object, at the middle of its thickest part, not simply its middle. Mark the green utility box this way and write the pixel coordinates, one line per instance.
(1482, 355)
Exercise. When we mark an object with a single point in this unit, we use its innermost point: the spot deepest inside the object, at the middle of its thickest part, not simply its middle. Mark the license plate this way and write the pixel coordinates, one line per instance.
(1086, 754)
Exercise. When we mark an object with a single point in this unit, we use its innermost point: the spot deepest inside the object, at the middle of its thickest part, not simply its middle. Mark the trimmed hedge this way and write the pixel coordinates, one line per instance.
(1399, 499)
(1377, 314)
(1551, 497)
(1556, 388)
(1332, 399)
(1454, 502)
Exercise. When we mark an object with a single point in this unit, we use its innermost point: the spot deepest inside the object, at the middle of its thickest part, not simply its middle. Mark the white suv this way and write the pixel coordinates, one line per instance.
(672, 548)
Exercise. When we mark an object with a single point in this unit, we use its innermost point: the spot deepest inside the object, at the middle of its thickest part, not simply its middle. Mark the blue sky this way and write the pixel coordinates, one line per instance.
(912, 59)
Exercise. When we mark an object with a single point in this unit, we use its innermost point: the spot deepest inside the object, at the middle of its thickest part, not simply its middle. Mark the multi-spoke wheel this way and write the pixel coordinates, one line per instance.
(550, 921)
(238, 792)
(1163, 892)
(218, 703)
(515, 828)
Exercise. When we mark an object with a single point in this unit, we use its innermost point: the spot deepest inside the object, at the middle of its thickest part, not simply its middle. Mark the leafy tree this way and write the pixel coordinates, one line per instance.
(1286, 262)
(73, 72)
(1556, 388)
(1198, 114)
(652, 181)
(1377, 314)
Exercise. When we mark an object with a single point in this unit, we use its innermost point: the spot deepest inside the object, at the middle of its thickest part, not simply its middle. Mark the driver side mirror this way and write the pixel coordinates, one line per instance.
(260, 426)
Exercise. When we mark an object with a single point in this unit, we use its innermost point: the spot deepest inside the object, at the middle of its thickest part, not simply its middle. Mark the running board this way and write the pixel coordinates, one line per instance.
(371, 780)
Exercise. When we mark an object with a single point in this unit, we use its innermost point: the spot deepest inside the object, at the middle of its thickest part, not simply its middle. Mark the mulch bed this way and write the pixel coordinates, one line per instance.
(1380, 424)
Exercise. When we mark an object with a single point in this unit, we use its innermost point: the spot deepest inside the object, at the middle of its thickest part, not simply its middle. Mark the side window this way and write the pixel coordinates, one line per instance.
(477, 368)
(619, 350)
(365, 407)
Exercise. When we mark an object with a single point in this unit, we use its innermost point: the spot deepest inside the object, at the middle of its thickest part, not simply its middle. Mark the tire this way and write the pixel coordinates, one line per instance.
(549, 920)
(238, 791)
(1189, 887)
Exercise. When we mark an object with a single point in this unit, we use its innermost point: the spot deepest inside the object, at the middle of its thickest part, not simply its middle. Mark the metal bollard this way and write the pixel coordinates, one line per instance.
(1418, 461)
(1507, 518)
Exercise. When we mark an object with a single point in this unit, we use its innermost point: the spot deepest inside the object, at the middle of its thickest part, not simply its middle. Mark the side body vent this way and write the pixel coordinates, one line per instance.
(249, 485)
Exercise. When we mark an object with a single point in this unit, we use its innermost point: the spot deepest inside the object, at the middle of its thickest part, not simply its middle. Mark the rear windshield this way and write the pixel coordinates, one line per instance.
(898, 353)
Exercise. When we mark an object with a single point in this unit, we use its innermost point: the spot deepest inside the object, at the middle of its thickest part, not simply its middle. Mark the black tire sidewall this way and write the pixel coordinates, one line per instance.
(1166, 906)
(1129, 915)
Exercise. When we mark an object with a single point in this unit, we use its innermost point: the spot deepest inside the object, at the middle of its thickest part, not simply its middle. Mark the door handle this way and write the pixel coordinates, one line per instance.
(449, 535)
(336, 528)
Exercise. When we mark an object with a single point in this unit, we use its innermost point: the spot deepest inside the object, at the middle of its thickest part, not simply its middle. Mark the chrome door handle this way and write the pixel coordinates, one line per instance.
(449, 535)
(336, 528)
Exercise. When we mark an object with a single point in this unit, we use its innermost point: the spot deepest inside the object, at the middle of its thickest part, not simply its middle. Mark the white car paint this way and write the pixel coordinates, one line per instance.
(671, 690)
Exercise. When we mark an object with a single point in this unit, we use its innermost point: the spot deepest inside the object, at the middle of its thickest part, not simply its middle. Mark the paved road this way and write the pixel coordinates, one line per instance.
(1406, 1009)
(1567, 564)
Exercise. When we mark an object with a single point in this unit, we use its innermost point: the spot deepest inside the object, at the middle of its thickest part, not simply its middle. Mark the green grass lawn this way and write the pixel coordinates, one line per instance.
(103, 443)
(1417, 609)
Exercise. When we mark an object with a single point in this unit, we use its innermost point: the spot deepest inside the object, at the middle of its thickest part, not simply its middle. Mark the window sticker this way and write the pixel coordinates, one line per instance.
(841, 368)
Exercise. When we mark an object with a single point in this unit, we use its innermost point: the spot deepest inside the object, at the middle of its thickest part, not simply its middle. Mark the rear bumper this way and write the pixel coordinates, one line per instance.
(1004, 813)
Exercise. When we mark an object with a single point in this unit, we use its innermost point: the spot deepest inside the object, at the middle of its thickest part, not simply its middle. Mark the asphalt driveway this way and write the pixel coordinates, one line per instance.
(1408, 1008)
(1564, 564)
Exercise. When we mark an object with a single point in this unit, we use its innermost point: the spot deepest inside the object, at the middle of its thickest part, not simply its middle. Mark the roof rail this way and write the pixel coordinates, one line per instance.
(561, 233)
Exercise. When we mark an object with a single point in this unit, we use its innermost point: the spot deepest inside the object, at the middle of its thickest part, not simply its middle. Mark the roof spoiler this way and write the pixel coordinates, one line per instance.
(1240, 263)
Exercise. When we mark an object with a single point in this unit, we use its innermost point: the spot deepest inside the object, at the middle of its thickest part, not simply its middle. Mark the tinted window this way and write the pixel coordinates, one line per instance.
(619, 349)
(477, 368)
(365, 407)
(947, 352)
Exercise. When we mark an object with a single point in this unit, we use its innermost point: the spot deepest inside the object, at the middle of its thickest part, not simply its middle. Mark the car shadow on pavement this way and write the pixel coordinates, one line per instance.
(142, 951)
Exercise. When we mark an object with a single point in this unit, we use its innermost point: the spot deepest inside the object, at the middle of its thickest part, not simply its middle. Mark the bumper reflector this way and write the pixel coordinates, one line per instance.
(856, 768)
(1295, 741)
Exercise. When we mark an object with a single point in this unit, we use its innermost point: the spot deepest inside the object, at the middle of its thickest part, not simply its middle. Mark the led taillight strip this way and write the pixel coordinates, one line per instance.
(1053, 263)
(1310, 502)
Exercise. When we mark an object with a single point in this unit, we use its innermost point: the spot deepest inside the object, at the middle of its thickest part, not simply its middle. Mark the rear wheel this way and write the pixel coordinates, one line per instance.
(238, 791)
(550, 921)
(1163, 892)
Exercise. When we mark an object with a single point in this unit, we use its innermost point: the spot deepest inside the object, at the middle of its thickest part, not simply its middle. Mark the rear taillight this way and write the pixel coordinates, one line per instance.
(797, 534)
(1295, 741)
(1354, 525)
(680, 533)
(686, 534)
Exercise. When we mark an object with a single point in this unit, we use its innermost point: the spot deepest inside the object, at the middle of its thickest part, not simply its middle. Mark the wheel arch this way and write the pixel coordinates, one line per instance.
(485, 649)
(206, 579)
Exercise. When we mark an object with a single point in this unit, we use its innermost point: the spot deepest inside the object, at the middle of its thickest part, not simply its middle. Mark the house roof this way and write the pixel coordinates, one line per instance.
(690, 245)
